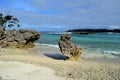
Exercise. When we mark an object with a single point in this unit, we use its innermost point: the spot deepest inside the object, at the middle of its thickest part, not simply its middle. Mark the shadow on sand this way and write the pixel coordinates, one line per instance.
(55, 56)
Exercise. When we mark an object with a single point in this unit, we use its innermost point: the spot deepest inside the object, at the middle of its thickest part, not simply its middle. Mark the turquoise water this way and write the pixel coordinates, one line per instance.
(103, 43)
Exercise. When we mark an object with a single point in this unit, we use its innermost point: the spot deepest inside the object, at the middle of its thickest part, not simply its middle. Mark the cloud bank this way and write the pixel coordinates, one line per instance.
(64, 14)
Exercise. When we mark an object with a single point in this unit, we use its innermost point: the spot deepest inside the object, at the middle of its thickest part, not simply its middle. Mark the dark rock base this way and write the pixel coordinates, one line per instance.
(16, 45)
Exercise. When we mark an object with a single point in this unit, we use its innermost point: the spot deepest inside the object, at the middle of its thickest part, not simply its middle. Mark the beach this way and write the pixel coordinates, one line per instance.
(42, 62)
(59, 40)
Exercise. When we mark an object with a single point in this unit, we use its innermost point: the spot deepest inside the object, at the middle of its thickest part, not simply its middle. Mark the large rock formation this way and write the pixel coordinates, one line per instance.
(18, 38)
(72, 51)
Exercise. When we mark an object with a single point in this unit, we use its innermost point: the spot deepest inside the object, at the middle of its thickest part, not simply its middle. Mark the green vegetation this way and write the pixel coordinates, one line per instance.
(8, 21)
(93, 31)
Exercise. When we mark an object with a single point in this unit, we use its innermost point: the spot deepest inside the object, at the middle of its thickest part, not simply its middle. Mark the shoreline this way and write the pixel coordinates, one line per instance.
(86, 53)
(97, 57)
(51, 57)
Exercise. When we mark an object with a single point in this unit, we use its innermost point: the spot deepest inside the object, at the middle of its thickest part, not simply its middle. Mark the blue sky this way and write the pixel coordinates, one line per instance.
(61, 15)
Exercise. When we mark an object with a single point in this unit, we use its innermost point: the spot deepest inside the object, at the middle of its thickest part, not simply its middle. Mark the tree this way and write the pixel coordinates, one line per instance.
(8, 21)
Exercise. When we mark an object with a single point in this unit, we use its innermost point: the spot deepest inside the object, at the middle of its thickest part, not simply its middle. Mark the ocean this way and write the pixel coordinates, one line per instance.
(100, 43)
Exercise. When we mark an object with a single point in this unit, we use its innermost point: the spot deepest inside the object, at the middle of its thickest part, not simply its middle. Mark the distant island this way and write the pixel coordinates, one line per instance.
(93, 31)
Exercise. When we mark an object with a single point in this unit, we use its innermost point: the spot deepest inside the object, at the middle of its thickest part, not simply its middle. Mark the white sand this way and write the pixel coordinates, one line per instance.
(22, 71)
(87, 69)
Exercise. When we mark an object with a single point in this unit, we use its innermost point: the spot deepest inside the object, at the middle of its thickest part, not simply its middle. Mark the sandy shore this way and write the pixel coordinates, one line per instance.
(15, 70)
(86, 69)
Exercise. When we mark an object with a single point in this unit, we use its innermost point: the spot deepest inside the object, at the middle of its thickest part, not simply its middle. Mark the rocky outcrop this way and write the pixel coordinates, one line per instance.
(72, 51)
(18, 38)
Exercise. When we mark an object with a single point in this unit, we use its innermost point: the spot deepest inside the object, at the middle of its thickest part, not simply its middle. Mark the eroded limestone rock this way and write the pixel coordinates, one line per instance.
(18, 39)
(72, 51)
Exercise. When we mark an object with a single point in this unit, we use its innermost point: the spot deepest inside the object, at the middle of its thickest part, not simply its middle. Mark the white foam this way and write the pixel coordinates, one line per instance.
(111, 52)
(99, 54)
(60, 32)
(49, 45)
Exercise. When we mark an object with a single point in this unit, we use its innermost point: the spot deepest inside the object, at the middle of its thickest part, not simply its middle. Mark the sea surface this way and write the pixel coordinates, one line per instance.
(100, 43)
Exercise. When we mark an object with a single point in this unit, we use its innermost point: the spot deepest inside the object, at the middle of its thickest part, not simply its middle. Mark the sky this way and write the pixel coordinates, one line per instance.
(61, 15)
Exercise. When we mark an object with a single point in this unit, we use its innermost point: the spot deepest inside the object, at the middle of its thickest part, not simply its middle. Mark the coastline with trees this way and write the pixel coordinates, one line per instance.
(93, 31)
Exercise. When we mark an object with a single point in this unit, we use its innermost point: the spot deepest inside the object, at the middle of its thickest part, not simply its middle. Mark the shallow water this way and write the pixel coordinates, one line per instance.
(100, 43)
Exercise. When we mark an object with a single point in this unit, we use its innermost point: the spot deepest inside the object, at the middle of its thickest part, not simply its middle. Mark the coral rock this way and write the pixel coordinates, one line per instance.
(18, 39)
(72, 51)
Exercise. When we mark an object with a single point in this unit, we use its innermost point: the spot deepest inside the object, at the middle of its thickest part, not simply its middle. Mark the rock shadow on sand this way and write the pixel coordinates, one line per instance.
(55, 56)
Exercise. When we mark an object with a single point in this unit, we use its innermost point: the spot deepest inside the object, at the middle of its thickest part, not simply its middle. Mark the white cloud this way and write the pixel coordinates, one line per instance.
(70, 13)
(113, 27)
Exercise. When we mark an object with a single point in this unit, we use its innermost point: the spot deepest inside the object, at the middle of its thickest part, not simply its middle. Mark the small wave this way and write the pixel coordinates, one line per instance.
(59, 33)
(114, 53)
(91, 53)
(110, 33)
(49, 45)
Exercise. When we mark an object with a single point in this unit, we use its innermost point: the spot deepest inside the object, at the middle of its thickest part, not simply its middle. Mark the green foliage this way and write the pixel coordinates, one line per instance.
(15, 19)
(1, 15)
(10, 25)
(9, 20)
(18, 25)
(8, 17)
(1, 21)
